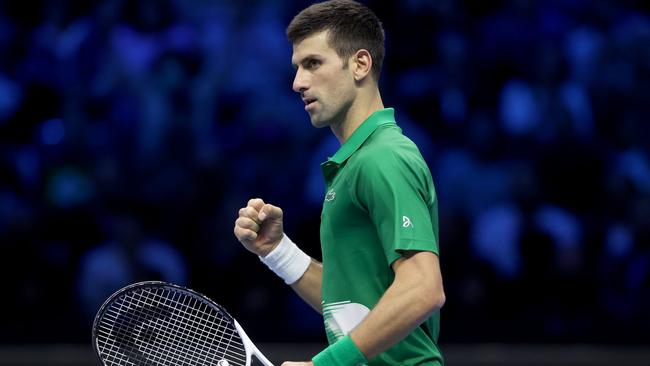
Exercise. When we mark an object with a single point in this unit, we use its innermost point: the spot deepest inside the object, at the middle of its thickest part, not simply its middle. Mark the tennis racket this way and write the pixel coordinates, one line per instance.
(156, 323)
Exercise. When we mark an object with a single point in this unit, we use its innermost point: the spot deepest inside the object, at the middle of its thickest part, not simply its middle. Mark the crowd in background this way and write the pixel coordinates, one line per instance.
(131, 132)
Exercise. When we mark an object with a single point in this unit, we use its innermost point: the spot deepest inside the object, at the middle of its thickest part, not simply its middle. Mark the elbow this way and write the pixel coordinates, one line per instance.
(437, 300)
(432, 298)
(440, 300)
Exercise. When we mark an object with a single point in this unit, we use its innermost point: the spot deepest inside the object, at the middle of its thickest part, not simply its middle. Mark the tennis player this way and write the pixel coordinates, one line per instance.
(379, 287)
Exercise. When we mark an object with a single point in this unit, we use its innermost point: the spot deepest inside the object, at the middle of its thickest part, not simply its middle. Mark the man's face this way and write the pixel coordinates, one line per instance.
(325, 86)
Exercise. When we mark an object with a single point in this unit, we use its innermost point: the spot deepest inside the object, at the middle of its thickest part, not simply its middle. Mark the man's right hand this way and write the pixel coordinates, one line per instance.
(259, 227)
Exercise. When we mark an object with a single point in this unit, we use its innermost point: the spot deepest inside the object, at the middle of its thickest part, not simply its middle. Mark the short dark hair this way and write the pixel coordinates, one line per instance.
(352, 26)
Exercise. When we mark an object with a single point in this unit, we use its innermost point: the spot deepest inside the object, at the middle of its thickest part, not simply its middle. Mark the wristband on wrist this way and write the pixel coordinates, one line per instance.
(341, 353)
(287, 260)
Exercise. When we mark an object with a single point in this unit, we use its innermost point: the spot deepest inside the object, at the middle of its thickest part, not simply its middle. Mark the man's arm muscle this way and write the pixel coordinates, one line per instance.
(413, 296)
(310, 284)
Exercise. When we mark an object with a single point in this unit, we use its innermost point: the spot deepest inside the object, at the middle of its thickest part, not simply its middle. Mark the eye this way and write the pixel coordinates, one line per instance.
(312, 63)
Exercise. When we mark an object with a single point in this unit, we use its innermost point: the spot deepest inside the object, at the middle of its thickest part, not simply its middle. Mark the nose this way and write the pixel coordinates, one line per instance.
(300, 81)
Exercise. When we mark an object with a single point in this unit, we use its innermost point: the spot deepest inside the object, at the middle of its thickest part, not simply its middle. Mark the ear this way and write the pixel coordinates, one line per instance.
(361, 64)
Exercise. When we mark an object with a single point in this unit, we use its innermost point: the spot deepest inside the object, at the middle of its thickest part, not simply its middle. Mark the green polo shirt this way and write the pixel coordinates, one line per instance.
(380, 201)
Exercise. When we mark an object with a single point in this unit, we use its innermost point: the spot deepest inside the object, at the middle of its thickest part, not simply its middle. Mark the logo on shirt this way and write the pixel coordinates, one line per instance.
(330, 195)
(406, 222)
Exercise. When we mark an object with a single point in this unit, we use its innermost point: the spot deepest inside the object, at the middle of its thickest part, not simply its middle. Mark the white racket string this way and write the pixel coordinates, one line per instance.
(180, 304)
(173, 323)
(222, 327)
(163, 326)
(152, 347)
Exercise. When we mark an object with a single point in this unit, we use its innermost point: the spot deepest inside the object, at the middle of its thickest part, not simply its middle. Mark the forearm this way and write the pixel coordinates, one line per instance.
(416, 292)
(297, 269)
(309, 285)
(399, 311)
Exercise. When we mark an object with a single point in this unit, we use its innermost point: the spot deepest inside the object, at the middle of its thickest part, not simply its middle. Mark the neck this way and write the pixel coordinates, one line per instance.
(362, 107)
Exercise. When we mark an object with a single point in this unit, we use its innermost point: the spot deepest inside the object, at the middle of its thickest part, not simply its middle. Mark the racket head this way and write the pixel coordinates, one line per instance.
(158, 323)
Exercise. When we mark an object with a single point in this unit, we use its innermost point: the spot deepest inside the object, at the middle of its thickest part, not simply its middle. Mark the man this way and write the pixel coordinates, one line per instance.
(379, 287)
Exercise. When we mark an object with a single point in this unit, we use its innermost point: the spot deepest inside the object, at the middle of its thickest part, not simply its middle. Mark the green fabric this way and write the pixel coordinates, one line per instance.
(380, 201)
(342, 353)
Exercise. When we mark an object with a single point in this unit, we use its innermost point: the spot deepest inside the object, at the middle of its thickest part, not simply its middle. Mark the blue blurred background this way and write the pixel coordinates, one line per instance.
(131, 132)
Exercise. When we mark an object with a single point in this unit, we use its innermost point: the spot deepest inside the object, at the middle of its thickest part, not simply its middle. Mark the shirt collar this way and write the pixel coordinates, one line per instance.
(358, 137)
(361, 134)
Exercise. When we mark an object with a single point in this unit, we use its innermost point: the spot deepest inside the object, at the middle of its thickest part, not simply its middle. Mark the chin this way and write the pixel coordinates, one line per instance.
(318, 123)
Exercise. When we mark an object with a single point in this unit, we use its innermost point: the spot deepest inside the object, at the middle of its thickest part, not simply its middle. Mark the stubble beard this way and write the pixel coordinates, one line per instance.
(316, 121)
(334, 119)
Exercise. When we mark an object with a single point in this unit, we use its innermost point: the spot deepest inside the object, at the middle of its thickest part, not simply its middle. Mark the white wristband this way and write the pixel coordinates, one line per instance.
(287, 260)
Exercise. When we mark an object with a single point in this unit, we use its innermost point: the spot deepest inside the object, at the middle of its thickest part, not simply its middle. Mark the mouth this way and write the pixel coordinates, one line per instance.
(309, 102)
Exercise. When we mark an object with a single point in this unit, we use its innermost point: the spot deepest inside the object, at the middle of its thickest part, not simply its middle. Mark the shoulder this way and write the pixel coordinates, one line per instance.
(389, 149)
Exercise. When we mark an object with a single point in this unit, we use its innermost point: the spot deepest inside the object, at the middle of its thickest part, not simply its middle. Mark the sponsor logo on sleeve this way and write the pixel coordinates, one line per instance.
(330, 195)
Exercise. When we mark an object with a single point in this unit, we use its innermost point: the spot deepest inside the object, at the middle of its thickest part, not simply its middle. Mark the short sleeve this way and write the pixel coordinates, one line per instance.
(397, 191)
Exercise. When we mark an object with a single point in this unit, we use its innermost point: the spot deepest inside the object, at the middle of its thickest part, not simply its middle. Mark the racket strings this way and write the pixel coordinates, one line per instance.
(175, 324)
(152, 346)
(158, 326)
(183, 331)
(191, 322)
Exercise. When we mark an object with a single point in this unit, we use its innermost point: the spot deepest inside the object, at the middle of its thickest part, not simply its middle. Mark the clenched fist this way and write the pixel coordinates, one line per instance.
(259, 227)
